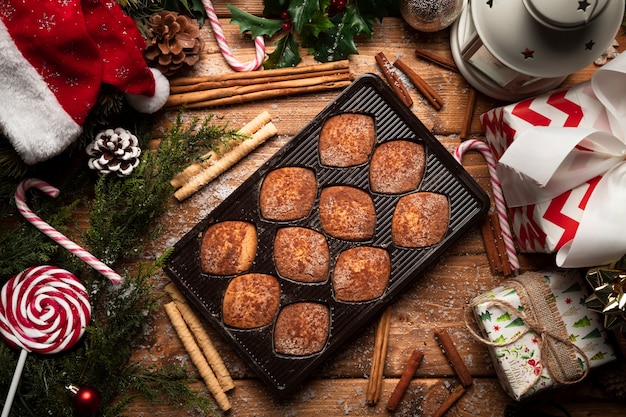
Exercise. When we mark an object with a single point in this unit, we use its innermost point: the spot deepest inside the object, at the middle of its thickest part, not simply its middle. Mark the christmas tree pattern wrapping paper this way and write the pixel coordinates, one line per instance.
(540, 332)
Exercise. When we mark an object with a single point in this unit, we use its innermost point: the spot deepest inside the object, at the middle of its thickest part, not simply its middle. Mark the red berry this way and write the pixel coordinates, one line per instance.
(284, 15)
(340, 4)
(286, 26)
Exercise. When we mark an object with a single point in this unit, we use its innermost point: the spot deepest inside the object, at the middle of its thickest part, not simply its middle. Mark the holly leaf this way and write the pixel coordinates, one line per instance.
(318, 23)
(360, 23)
(258, 26)
(301, 13)
(377, 8)
(286, 53)
(336, 43)
(274, 7)
(194, 8)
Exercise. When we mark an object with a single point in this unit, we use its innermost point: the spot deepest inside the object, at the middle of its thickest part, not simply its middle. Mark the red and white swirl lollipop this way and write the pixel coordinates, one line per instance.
(43, 309)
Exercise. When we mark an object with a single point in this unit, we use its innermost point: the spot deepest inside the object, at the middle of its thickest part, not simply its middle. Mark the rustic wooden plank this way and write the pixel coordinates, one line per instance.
(435, 299)
(341, 396)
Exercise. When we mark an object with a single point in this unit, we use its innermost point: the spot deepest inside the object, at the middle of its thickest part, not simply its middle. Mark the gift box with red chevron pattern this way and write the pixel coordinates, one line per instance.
(561, 166)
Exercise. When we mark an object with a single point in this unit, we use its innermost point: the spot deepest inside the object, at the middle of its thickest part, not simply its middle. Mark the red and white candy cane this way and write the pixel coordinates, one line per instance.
(20, 201)
(43, 309)
(259, 43)
(498, 196)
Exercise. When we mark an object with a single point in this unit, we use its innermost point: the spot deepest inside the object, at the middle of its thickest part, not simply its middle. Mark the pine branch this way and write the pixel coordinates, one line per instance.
(122, 216)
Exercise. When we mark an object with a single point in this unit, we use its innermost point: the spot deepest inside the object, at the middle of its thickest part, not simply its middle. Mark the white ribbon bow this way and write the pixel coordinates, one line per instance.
(544, 162)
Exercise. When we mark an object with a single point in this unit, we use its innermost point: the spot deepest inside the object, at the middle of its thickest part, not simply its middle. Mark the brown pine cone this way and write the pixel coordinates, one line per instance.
(173, 42)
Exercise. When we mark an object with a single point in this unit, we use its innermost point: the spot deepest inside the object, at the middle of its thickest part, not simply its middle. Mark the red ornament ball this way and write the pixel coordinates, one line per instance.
(85, 400)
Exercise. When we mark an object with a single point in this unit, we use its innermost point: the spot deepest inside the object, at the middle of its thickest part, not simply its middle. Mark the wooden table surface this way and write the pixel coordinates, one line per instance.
(435, 300)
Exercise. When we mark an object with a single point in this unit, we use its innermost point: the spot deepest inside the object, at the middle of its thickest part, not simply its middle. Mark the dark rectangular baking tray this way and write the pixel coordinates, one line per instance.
(468, 203)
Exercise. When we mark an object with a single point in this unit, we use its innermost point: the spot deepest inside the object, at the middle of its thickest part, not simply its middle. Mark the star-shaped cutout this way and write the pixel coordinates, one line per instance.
(583, 4)
(528, 53)
(490, 3)
(589, 45)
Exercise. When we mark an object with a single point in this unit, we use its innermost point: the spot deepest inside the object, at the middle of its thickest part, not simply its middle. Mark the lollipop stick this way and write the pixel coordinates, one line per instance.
(15, 382)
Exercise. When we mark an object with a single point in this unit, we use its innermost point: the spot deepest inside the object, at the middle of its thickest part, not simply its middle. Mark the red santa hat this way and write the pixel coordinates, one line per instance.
(54, 56)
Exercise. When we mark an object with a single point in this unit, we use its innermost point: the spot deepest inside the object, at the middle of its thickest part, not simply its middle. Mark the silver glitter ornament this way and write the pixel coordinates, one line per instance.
(430, 15)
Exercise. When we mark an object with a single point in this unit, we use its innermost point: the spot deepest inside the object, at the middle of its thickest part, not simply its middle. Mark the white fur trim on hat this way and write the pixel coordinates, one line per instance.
(146, 104)
(30, 115)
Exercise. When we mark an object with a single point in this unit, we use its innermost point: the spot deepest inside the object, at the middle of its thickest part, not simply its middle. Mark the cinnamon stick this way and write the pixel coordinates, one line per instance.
(263, 95)
(210, 85)
(450, 400)
(462, 373)
(392, 78)
(381, 343)
(409, 370)
(431, 95)
(469, 113)
(337, 65)
(219, 93)
(436, 59)
(494, 245)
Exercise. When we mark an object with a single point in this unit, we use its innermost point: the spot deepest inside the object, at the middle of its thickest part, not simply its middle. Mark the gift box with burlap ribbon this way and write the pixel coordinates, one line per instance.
(539, 331)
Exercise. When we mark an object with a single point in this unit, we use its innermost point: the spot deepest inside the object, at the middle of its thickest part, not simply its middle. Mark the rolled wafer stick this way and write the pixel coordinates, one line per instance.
(192, 170)
(409, 370)
(256, 124)
(450, 400)
(202, 337)
(209, 158)
(462, 373)
(196, 356)
(224, 163)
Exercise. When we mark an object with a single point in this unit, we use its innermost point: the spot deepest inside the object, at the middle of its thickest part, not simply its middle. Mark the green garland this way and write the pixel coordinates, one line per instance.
(122, 215)
(327, 30)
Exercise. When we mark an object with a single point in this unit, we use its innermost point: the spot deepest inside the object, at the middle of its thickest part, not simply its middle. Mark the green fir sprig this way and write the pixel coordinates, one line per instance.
(123, 209)
(123, 213)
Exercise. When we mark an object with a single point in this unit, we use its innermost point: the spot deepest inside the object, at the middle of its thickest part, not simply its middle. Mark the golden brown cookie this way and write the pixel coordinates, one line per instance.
(301, 254)
(251, 301)
(301, 329)
(420, 219)
(346, 140)
(287, 193)
(347, 213)
(361, 274)
(396, 167)
(228, 247)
